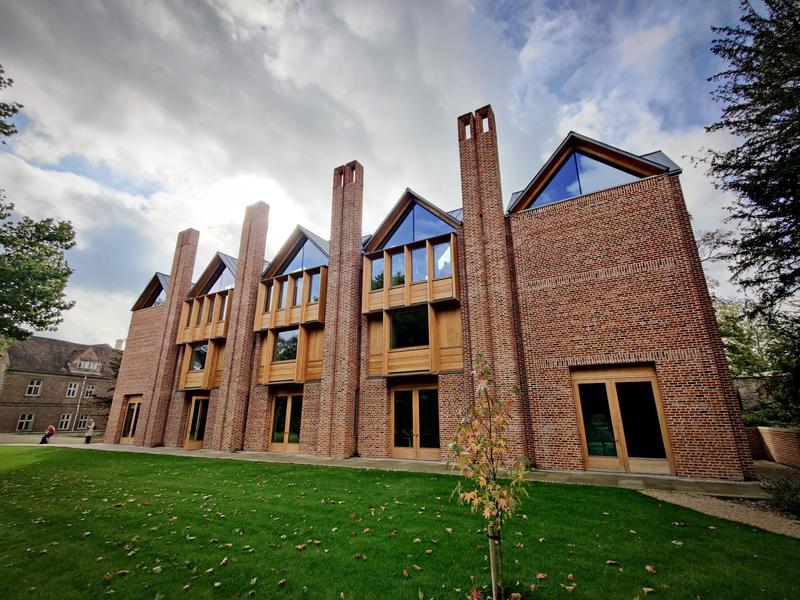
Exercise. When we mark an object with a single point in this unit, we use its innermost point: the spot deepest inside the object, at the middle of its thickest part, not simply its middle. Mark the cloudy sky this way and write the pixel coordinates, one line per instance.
(144, 118)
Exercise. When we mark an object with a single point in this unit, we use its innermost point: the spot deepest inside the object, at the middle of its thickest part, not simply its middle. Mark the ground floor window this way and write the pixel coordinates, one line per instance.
(82, 421)
(196, 427)
(64, 421)
(131, 419)
(415, 422)
(287, 413)
(622, 420)
(25, 422)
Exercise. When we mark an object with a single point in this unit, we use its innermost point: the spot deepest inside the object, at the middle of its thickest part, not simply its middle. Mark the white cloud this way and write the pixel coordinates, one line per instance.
(197, 109)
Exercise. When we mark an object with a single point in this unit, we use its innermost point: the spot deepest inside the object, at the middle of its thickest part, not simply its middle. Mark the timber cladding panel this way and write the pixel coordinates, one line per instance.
(630, 297)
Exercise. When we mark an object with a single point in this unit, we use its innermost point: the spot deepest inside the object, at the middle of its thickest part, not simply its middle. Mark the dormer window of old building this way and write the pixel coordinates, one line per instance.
(87, 365)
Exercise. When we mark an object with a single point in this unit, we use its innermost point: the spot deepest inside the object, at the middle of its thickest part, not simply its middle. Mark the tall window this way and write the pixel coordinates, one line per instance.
(199, 304)
(442, 260)
(64, 421)
(377, 274)
(82, 421)
(409, 328)
(398, 268)
(34, 387)
(197, 362)
(297, 297)
(307, 257)
(72, 389)
(223, 308)
(267, 298)
(283, 290)
(419, 264)
(161, 298)
(211, 300)
(224, 281)
(286, 345)
(88, 391)
(313, 288)
(25, 422)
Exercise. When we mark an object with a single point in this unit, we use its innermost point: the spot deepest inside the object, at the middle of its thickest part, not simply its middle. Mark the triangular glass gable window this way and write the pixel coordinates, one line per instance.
(224, 281)
(418, 224)
(157, 297)
(307, 257)
(580, 175)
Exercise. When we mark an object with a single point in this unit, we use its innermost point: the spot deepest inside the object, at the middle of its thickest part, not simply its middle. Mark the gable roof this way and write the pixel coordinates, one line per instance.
(218, 262)
(47, 355)
(408, 197)
(293, 243)
(646, 165)
(158, 280)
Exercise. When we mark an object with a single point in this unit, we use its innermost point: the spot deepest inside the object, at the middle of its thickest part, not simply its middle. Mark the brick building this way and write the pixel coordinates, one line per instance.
(52, 382)
(585, 294)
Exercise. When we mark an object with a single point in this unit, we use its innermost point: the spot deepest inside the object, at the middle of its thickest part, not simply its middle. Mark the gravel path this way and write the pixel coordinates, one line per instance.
(733, 511)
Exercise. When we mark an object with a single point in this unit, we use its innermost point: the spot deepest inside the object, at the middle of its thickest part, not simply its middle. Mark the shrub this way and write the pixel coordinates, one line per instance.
(784, 492)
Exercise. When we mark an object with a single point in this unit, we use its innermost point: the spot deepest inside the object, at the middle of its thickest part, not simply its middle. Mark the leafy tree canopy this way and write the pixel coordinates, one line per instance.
(33, 271)
(760, 95)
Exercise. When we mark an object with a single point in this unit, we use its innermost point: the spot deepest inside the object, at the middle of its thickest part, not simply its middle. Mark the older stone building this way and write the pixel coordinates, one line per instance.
(585, 294)
(53, 382)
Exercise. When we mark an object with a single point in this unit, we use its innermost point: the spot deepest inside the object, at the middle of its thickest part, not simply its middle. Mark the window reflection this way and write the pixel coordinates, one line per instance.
(442, 260)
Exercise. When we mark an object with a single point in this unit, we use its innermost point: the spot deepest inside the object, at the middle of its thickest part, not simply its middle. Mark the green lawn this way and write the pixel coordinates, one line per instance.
(78, 524)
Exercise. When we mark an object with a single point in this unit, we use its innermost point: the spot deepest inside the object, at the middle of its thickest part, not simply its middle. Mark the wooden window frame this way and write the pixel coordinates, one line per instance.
(622, 462)
(415, 452)
(285, 445)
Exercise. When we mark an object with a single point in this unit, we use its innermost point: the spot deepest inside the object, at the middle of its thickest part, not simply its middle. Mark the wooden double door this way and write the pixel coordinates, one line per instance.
(196, 426)
(415, 422)
(287, 414)
(622, 421)
(131, 420)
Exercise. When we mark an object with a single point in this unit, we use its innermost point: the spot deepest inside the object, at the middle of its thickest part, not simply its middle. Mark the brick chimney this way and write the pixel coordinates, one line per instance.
(227, 418)
(154, 408)
(337, 409)
(489, 302)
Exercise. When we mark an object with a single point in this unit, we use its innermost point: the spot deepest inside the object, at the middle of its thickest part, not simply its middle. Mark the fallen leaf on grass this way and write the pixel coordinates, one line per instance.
(223, 562)
(217, 583)
(122, 573)
(612, 562)
(647, 590)
(449, 530)
(254, 580)
(677, 542)
(650, 568)
(405, 572)
(417, 541)
(301, 547)
(417, 568)
(569, 588)
(186, 587)
(282, 583)
(108, 577)
(541, 576)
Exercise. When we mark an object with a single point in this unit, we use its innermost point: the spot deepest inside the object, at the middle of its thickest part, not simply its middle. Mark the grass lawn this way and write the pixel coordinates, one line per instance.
(78, 524)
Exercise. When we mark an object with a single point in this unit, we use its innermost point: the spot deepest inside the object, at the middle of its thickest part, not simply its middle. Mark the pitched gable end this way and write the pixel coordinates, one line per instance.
(412, 218)
(154, 294)
(303, 250)
(219, 275)
(581, 165)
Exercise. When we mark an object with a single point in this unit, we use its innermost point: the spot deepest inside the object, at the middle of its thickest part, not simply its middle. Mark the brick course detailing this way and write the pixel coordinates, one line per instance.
(648, 307)
(226, 431)
(489, 300)
(153, 418)
(337, 402)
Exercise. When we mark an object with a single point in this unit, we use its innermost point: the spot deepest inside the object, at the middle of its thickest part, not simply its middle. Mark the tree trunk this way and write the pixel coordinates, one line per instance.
(496, 560)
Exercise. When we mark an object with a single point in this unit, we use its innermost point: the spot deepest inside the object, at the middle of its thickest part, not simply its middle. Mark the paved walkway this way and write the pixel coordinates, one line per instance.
(733, 489)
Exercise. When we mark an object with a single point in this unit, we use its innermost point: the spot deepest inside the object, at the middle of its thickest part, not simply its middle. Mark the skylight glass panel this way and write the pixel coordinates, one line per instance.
(418, 224)
(595, 175)
(225, 281)
(563, 185)
(307, 257)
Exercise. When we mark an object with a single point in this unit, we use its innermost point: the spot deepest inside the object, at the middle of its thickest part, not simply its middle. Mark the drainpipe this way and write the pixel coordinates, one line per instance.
(78, 407)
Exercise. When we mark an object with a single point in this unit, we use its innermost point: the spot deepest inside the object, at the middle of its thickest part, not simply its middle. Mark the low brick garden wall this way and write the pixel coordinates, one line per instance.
(778, 444)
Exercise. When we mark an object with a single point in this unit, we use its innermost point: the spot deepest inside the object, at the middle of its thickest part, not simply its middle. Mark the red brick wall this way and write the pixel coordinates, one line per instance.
(177, 419)
(256, 437)
(778, 444)
(488, 303)
(612, 278)
(137, 369)
(153, 418)
(340, 352)
(310, 421)
(240, 362)
(453, 396)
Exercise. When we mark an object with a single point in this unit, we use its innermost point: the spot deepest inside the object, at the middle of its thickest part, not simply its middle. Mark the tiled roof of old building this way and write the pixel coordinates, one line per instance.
(48, 355)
